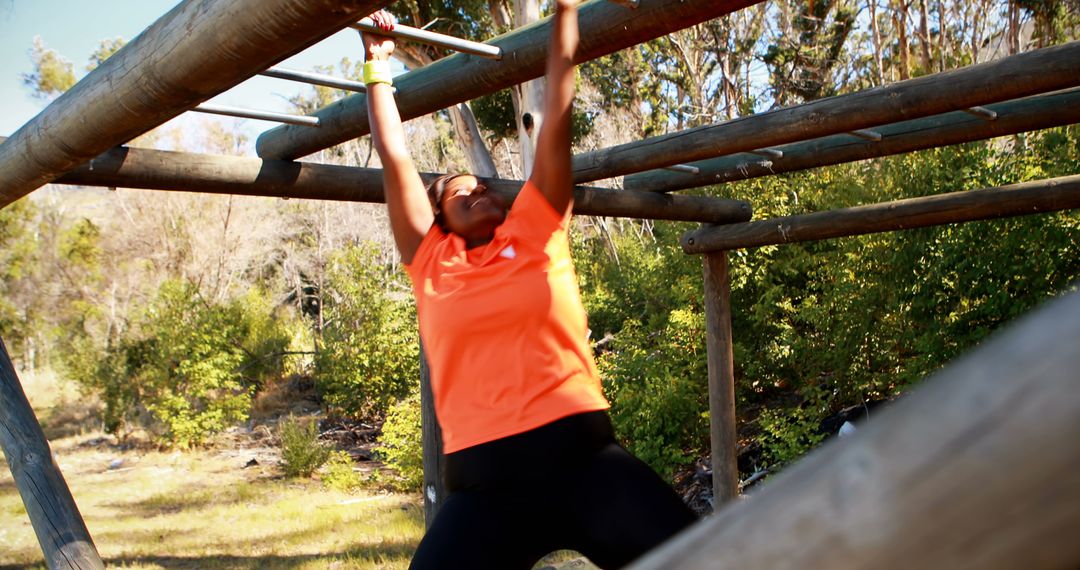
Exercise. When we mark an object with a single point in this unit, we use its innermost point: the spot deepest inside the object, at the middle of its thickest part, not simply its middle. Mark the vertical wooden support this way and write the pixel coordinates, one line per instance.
(59, 527)
(721, 378)
(431, 438)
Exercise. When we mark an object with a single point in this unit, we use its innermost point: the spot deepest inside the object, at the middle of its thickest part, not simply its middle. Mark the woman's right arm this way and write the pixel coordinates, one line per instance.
(406, 198)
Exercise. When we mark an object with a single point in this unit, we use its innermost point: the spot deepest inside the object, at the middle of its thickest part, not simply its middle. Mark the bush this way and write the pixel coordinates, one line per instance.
(301, 452)
(400, 444)
(370, 354)
(339, 473)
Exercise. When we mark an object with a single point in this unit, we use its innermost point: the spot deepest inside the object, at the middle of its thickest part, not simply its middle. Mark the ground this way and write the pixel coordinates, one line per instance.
(223, 507)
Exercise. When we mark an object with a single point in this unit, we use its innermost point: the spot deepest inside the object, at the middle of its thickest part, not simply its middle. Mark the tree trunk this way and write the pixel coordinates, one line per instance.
(529, 96)
(901, 27)
(924, 37)
(876, 35)
(470, 141)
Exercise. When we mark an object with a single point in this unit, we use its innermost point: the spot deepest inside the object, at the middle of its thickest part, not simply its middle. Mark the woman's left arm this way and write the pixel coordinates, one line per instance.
(551, 169)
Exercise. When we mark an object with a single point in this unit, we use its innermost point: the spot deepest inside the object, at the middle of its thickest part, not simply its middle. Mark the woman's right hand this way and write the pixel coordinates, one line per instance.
(377, 46)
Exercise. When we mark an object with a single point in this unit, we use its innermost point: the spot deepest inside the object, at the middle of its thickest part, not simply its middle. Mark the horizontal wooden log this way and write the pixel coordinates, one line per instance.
(1014, 200)
(1032, 113)
(163, 170)
(53, 514)
(1021, 75)
(977, 468)
(605, 28)
(195, 51)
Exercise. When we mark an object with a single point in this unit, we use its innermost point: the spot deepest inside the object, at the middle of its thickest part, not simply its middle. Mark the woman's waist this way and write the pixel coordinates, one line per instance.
(530, 455)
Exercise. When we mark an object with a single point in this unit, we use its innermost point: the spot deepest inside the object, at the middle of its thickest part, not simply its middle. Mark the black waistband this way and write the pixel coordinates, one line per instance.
(531, 455)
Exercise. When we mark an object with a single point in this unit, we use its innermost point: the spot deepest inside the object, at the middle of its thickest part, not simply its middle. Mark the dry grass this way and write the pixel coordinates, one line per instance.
(148, 509)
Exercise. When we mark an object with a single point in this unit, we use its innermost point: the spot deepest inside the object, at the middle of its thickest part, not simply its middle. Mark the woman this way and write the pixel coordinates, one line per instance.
(532, 464)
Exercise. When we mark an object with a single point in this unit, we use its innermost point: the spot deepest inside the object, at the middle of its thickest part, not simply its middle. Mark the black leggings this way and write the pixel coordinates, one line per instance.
(566, 485)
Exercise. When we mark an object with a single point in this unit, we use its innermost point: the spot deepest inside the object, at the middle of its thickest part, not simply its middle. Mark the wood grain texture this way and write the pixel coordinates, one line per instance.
(1021, 75)
(977, 468)
(57, 522)
(1051, 195)
(722, 426)
(165, 170)
(605, 28)
(1028, 114)
(195, 51)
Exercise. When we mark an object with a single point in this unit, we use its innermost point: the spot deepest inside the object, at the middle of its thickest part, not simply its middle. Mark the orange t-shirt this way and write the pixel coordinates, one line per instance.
(503, 326)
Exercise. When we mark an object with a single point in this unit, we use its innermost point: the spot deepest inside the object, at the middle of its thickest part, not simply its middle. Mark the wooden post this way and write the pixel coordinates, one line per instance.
(979, 467)
(434, 460)
(124, 167)
(195, 51)
(723, 437)
(605, 28)
(1014, 200)
(1028, 114)
(60, 529)
(1021, 75)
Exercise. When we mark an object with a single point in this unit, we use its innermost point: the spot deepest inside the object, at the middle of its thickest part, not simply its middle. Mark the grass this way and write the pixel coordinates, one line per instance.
(148, 509)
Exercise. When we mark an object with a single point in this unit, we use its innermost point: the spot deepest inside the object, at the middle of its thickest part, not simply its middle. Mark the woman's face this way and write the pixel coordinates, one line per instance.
(470, 211)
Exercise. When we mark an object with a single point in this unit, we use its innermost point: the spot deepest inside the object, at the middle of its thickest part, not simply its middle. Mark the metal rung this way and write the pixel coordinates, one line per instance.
(872, 136)
(431, 38)
(982, 113)
(302, 120)
(683, 168)
(315, 79)
(769, 153)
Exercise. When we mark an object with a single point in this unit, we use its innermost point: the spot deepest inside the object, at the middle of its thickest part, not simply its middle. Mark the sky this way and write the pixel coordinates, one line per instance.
(75, 27)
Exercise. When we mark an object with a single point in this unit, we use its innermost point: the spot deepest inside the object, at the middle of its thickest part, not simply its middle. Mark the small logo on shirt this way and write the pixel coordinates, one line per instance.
(508, 252)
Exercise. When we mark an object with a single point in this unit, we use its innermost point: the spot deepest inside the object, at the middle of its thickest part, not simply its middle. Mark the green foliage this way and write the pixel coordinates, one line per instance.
(338, 473)
(52, 74)
(185, 368)
(400, 445)
(821, 326)
(301, 452)
(370, 345)
(789, 432)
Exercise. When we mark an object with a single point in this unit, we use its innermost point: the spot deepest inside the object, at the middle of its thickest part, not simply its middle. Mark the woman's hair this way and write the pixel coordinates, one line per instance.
(435, 193)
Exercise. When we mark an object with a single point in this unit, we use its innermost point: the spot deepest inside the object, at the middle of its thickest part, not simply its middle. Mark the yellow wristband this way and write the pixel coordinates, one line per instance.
(377, 71)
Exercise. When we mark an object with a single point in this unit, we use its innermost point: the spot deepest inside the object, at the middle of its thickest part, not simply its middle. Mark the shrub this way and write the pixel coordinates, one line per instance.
(301, 452)
(400, 444)
(339, 474)
(370, 354)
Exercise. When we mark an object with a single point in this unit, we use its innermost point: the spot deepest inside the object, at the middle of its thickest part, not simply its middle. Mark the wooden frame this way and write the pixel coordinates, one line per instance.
(195, 51)
(460, 77)
(164, 72)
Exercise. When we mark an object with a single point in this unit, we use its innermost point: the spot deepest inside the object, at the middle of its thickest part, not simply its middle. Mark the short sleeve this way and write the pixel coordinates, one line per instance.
(531, 214)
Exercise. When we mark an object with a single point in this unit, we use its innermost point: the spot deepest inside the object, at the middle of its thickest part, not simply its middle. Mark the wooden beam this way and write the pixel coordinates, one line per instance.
(1032, 113)
(57, 523)
(1014, 200)
(195, 51)
(605, 28)
(722, 428)
(432, 456)
(163, 170)
(1021, 75)
(977, 468)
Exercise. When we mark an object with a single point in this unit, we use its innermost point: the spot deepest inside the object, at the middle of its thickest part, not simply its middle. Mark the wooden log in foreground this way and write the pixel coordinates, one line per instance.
(57, 523)
(195, 51)
(977, 468)
(605, 28)
(1021, 75)
(1051, 195)
(164, 170)
(1031, 113)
